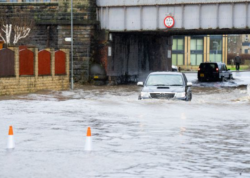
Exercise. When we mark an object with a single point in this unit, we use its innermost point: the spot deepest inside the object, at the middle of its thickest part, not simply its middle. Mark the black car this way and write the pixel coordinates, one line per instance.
(213, 71)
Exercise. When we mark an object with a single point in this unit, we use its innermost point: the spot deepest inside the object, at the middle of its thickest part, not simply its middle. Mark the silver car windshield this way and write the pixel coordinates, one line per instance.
(164, 80)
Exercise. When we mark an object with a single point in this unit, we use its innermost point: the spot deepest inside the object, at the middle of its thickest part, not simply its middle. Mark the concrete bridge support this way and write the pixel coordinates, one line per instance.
(130, 55)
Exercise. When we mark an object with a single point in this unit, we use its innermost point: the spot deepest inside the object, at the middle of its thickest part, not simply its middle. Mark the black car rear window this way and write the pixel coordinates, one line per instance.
(208, 66)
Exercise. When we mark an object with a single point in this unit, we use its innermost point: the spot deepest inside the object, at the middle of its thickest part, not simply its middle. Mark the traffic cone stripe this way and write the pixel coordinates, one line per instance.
(89, 132)
(11, 131)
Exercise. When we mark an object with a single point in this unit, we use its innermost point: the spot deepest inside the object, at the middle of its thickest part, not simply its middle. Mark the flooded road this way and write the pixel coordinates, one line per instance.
(207, 137)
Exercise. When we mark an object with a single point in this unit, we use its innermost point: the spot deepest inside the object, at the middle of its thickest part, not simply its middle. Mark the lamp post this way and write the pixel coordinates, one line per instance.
(72, 79)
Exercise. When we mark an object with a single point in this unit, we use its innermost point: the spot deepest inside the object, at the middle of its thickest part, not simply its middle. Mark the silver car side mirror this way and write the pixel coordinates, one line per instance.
(189, 84)
(140, 84)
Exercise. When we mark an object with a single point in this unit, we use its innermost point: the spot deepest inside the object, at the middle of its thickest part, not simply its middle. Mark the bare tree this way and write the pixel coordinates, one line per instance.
(6, 29)
(16, 27)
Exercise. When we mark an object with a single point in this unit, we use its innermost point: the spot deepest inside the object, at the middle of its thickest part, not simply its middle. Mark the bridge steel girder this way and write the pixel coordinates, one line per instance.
(161, 2)
(206, 15)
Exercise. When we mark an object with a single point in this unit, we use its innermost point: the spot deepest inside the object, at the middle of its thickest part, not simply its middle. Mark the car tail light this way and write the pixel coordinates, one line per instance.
(199, 69)
(217, 70)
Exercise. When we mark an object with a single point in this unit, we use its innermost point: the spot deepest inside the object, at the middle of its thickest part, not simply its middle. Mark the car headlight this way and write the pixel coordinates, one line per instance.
(145, 94)
(180, 95)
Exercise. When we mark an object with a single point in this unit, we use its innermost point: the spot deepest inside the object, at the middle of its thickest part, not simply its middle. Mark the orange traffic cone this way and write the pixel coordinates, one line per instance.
(11, 142)
(88, 144)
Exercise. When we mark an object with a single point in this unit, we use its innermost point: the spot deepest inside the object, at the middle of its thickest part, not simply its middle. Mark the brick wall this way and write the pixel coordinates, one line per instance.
(52, 26)
(82, 48)
(42, 36)
(27, 84)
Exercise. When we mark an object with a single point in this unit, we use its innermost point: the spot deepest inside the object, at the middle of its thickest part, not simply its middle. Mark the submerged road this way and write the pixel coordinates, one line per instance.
(207, 137)
(239, 79)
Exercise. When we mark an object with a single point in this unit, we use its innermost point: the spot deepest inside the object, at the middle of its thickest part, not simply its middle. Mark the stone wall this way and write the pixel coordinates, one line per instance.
(53, 25)
(27, 84)
(82, 48)
(133, 54)
(10, 86)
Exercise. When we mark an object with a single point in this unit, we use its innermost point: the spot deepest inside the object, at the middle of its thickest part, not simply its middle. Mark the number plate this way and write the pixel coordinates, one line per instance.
(201, 75)
(96, 77)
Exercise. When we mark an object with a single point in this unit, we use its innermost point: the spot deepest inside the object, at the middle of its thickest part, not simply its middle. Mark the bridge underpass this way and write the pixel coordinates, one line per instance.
(136, 53)
(139, 40)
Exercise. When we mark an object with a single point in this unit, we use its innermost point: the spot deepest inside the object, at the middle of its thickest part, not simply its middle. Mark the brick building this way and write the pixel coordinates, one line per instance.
(189, 51)
(245, 40)
(53, 25)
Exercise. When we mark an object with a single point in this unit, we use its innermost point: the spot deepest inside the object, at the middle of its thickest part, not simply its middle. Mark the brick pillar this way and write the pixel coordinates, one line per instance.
(36, 62)
(67, 52)
(52, 52)
(16, 54)
(82, 34)
(81, 47)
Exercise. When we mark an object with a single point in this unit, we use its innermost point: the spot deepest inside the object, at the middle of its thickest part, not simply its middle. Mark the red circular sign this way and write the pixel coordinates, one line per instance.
(169, 21)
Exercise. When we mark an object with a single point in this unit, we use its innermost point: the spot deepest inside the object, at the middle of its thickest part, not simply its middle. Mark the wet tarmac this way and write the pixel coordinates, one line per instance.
(207, 137)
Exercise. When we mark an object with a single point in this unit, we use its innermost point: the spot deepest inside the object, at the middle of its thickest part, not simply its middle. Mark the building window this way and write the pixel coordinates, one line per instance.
(215, 57)
(196, 50)
(177, 59)
(196, 59)
(246, 51)
(196, 44)
(178, 51)
(178, 44)
(216, 48)
(215, 44)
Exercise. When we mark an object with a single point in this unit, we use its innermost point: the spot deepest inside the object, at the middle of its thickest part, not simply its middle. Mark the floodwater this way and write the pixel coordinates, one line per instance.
(207, 137)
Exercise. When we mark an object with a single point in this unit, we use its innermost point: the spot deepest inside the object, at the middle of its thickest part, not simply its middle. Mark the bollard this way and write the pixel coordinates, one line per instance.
(88, 144)
(11, 142)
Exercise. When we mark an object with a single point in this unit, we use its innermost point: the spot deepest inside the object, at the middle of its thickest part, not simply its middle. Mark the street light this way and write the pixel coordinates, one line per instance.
(72, 79)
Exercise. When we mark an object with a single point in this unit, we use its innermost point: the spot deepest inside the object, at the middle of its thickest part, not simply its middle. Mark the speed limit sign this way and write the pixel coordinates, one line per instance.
(169, 21)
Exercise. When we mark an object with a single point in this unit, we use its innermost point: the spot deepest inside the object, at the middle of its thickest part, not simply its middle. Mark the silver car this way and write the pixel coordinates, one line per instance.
(166, 85)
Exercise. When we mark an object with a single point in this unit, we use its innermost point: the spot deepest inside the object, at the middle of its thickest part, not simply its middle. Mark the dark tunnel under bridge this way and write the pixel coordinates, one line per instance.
(132, 55)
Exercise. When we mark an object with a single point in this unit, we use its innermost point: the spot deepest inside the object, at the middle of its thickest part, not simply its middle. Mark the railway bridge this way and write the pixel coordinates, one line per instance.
(151, 35)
